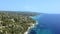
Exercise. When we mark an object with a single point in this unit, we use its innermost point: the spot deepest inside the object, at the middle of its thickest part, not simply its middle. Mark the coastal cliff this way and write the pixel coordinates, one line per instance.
(15, 23)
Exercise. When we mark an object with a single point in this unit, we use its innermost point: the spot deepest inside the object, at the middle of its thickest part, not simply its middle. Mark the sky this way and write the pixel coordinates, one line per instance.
(42, 6)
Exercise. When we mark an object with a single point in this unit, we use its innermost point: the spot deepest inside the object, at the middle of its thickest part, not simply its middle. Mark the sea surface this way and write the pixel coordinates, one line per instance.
(47, 24)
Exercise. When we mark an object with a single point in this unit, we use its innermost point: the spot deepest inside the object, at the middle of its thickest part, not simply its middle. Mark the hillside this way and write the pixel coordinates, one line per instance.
(15, 22)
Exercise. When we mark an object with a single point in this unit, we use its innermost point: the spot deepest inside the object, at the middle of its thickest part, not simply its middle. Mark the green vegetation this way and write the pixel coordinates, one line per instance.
(15, 22)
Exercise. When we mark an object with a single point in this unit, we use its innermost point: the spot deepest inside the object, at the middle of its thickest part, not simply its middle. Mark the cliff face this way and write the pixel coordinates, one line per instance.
(12, 23)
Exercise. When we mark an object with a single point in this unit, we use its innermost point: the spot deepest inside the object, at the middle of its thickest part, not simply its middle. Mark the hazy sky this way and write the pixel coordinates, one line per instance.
(47, 6)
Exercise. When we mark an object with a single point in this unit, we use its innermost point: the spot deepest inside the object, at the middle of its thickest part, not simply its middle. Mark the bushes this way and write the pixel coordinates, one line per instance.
(14, 24)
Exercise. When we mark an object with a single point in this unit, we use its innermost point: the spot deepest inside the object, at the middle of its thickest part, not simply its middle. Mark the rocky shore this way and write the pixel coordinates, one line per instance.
(32, 26)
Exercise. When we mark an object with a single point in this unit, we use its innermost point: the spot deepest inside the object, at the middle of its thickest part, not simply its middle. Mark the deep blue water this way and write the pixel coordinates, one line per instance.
(47, 24)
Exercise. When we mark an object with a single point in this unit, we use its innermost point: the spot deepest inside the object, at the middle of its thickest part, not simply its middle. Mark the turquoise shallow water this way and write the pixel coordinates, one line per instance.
(44, 31)
(39, 30)
(47, 24)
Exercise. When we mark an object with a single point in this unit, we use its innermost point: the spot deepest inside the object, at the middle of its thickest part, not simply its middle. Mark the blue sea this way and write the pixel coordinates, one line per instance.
(47, 24)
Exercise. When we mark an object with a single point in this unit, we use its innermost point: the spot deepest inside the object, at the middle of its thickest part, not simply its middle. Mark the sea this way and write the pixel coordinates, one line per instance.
(47, 24)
